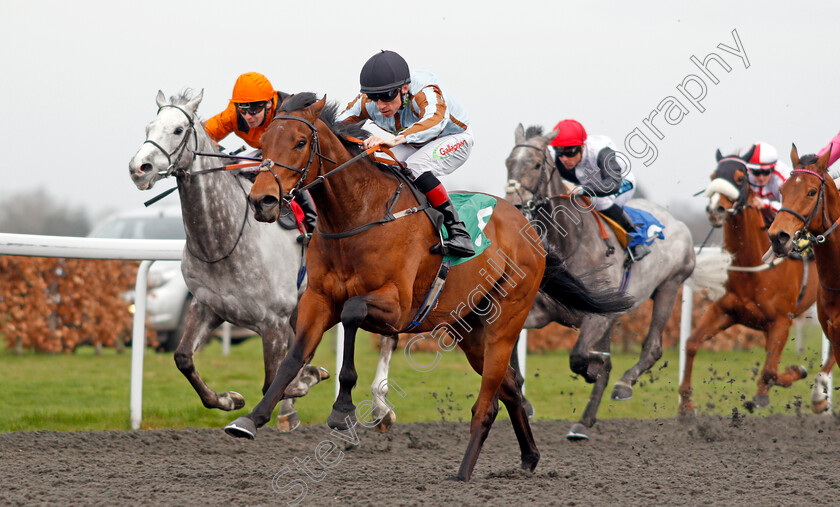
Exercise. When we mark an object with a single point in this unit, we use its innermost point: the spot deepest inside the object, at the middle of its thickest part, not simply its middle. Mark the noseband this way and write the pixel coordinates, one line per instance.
(743, 193)
(314, 150)
(180, 149)
(806, 221)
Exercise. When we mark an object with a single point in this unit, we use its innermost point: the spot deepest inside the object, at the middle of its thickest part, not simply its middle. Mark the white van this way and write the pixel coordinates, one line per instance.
(167, 295)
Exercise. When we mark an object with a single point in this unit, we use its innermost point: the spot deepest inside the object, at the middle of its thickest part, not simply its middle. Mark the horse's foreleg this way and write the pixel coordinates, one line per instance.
(663, 304)
(777, 337)
(584, 359)
(199, 323)
(600, 365)
(275, 343)
(514, 363)
(343, 414)
(314, 318)
(383, 412)
(713, 321)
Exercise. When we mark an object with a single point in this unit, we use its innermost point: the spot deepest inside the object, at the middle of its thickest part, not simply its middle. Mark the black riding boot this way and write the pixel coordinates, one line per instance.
(459, 243)
(310, 216)
(617, 214)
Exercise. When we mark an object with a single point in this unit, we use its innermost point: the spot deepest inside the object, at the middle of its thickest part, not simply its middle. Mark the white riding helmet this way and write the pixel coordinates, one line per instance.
(764, 156)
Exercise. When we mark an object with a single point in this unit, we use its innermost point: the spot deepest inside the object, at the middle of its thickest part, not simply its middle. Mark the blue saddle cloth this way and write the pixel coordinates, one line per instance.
(648, 228)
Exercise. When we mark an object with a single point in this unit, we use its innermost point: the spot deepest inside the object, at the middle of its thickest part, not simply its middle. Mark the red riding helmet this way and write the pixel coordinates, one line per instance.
(764, 157)
(569, 133)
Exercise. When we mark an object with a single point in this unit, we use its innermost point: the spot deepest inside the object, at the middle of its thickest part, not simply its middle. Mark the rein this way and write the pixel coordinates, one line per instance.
(315, 151)
(515, 185)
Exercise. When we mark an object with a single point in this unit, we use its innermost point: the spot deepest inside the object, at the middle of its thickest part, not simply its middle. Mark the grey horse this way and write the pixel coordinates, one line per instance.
(230, 261)
(565, 224)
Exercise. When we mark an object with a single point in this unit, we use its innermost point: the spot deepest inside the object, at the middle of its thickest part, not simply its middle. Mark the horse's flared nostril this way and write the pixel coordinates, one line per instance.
(144, 168)
(267, 202)
(782, 238)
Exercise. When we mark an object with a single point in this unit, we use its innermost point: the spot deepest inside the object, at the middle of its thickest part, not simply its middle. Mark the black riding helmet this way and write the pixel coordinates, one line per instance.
(384, 72)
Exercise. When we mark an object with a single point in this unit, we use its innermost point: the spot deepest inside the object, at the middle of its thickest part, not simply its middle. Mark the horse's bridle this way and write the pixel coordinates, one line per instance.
(743, 192)
(806, 221)
(180, 149)
(545, 175)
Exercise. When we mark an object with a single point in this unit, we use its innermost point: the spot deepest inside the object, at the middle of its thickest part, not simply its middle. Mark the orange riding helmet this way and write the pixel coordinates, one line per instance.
(252, 87)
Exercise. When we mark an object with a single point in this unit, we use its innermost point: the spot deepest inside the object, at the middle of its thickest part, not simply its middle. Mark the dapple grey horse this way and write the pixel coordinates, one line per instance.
(230, 261)
(571, 229)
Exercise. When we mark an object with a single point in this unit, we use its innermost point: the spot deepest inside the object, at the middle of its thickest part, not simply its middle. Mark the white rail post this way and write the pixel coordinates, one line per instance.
(138, 344)
(685, 325)
(521, 350)
(226, 338)
(339, 353)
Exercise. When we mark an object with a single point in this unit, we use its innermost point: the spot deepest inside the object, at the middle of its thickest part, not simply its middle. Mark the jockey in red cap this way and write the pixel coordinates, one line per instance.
(592, 163)
(766, 175)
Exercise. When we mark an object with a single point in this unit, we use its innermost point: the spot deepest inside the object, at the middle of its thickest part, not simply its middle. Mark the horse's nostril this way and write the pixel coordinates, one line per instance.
(782, 237)
(268, 202)
(144, 168)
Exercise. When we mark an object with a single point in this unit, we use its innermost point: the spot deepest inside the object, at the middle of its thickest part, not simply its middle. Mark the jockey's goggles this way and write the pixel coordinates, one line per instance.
(386, 96)
(761, 172)
(569, 151)
(252, 108)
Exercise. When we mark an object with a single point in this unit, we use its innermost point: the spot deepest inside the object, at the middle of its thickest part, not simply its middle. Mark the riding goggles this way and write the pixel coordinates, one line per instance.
(568, 152)
(385, 96)
(761, 172)
(252, 108)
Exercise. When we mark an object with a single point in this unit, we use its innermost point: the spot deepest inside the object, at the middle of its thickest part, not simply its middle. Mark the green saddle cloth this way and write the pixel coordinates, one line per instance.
(475, 211)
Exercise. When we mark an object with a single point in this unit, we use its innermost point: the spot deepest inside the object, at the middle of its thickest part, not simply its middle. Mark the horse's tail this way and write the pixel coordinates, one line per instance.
(711, 271)
(587, 295)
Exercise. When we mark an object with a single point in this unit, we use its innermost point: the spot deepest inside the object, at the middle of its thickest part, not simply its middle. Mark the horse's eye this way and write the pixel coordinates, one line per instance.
(300, 144)
(739, 180)
(179, 131)
(539, 166)
(812, 192)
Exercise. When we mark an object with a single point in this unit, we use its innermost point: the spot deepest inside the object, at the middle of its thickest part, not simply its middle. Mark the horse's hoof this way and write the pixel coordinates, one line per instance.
(800, 369)
(819, 407)
(577, 432)
(761, 400)
(622, 391)
(339, 420)
(456, 478)
(287, 423)
(388, 420)
(323, 374)
(242, 428)
(686, 414)
(231, 400)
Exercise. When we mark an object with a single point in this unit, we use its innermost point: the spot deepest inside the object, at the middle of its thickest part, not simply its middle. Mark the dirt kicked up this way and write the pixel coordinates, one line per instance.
(737, 460)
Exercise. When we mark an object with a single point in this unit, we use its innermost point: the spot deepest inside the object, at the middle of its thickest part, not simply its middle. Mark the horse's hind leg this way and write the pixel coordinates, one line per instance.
(383, 412)
(599, 366)
(511, 396)
(713, 321)
(514, 363)
(664, 298)
(777, 337)
(199, 323)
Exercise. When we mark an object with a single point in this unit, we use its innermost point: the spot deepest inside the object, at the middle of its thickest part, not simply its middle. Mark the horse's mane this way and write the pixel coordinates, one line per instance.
(808, 159)
(303, 100)
(533, 131)
(182, 98)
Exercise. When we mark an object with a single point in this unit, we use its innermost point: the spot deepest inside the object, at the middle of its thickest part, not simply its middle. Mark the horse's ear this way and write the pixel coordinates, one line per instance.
(160, 99)
(519, 134)
(794, 156)
(551, 135)
(822, 162)
(718, 155)
(192, 105)
(314, 111)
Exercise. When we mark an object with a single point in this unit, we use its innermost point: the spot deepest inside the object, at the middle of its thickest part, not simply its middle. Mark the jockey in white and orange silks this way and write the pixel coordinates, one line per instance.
(431, 132)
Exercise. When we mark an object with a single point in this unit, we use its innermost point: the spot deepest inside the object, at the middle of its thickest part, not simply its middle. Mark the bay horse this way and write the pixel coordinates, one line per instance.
(811, 211)
(759, 296)
(372, 271)
(238, 270)
(535, 187)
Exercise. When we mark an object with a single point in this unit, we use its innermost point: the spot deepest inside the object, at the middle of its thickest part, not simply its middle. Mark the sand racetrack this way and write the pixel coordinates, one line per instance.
(739, 460)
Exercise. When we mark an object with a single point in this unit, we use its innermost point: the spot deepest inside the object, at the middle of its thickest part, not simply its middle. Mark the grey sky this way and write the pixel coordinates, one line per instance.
(79, 78)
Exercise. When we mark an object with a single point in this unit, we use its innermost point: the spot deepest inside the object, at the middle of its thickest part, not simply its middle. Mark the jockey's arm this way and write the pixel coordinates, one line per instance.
(433, 111)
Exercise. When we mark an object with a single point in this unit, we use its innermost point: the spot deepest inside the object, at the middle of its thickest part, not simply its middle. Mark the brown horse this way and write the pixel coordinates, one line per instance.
(369, 270)
(811, 210)
(761, 297)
